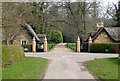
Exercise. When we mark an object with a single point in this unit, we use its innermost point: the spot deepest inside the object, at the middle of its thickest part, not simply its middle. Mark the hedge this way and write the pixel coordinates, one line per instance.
(11, 54)
(50, 46)
(71, 46)
(5, 56)
(103, 47)
(18, 52)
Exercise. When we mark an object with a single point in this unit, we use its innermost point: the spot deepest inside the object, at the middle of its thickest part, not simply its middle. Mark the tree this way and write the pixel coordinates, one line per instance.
(72, 19)
(55, 36)
(118, 15)
(16, 14)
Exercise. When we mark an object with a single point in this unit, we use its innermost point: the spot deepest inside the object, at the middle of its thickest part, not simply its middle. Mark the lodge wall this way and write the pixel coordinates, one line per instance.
(103, 38)
(23, 35)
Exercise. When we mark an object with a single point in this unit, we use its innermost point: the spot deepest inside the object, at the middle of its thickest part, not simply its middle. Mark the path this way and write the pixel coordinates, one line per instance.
(67, 64)
(61, 48)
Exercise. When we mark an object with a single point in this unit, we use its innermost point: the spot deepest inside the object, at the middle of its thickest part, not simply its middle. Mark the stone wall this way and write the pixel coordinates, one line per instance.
(103, 38)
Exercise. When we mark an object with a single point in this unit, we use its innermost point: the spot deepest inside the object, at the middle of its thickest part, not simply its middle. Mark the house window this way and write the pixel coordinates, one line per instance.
(23, 42)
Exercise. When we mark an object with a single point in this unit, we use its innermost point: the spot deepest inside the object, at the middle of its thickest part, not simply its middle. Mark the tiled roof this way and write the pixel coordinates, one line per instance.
(29, 28)
(113, 32)
(84, 38)
(41, 37)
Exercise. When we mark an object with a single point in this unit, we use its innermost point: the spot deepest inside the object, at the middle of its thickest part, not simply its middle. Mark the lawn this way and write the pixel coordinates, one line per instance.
(28, 68)
(104, 69)
(71, 46)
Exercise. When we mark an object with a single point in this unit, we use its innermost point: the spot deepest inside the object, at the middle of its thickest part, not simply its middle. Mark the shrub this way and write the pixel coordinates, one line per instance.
(102, 47)
(50, 46)
(71, 46)
(55, 36)
(5, 56)
(18, 52)
(11, 54)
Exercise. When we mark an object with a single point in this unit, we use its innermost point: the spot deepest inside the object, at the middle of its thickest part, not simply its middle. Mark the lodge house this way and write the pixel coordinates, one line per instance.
(27, 36)
(103, 34)
(100, 35)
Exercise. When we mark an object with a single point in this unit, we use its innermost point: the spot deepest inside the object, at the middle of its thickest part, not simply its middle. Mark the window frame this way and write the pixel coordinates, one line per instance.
(23, 42)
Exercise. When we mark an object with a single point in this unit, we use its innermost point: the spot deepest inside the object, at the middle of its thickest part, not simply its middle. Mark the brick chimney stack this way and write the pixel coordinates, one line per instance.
(99, 25)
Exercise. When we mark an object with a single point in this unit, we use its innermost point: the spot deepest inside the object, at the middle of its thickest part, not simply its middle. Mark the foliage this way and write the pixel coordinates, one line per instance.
(16, 14)
(12, 54)
(50, 46)
(55, 36)
(71, 46)
(101, 47)
(5, 56)
(28, 68)
(105, 69)
(18, 52)
(118, 15)
(28, 46)
(80, 18)
(37, 12)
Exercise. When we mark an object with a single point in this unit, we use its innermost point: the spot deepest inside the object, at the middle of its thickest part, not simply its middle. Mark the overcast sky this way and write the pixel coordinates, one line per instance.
(106, 1)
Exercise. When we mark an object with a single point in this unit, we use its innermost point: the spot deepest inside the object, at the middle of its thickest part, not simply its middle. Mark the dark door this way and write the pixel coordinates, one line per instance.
(84, 47)
(39, 47)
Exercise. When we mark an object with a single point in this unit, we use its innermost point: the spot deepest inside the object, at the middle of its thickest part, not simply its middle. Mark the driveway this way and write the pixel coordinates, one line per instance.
(66, 64)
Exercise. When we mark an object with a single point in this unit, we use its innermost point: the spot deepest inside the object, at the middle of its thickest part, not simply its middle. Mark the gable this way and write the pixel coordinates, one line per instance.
(103, 37)
(23, 34)
(102, 29)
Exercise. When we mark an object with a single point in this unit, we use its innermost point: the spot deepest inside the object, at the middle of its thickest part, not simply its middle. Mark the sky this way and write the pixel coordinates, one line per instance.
(106, 1)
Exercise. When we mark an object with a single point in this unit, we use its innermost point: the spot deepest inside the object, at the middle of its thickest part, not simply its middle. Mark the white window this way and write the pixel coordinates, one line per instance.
(23, 42)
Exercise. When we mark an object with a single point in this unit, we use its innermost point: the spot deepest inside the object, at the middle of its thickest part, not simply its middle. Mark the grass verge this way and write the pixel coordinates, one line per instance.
(106, 69)
(28, 68)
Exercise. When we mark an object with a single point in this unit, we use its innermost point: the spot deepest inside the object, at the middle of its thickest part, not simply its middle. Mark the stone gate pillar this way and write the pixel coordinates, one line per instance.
(89, 42)
(45, 44)
(34, 45)
(78, 44)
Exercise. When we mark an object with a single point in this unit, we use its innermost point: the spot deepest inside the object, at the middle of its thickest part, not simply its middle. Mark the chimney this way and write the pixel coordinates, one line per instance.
(99, 25)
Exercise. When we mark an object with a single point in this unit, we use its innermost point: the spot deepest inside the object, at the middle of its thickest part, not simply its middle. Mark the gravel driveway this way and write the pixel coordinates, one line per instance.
(66, 64)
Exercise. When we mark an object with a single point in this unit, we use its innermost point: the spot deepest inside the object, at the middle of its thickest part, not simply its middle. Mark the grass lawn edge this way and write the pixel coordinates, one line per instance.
(42, 75)
(39, 75)
(95, 77)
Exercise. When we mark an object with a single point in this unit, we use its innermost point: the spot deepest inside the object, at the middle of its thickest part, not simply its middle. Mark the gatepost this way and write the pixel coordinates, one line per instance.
(78, 44)
(45, 44)
(34, 45)
(89, 42)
